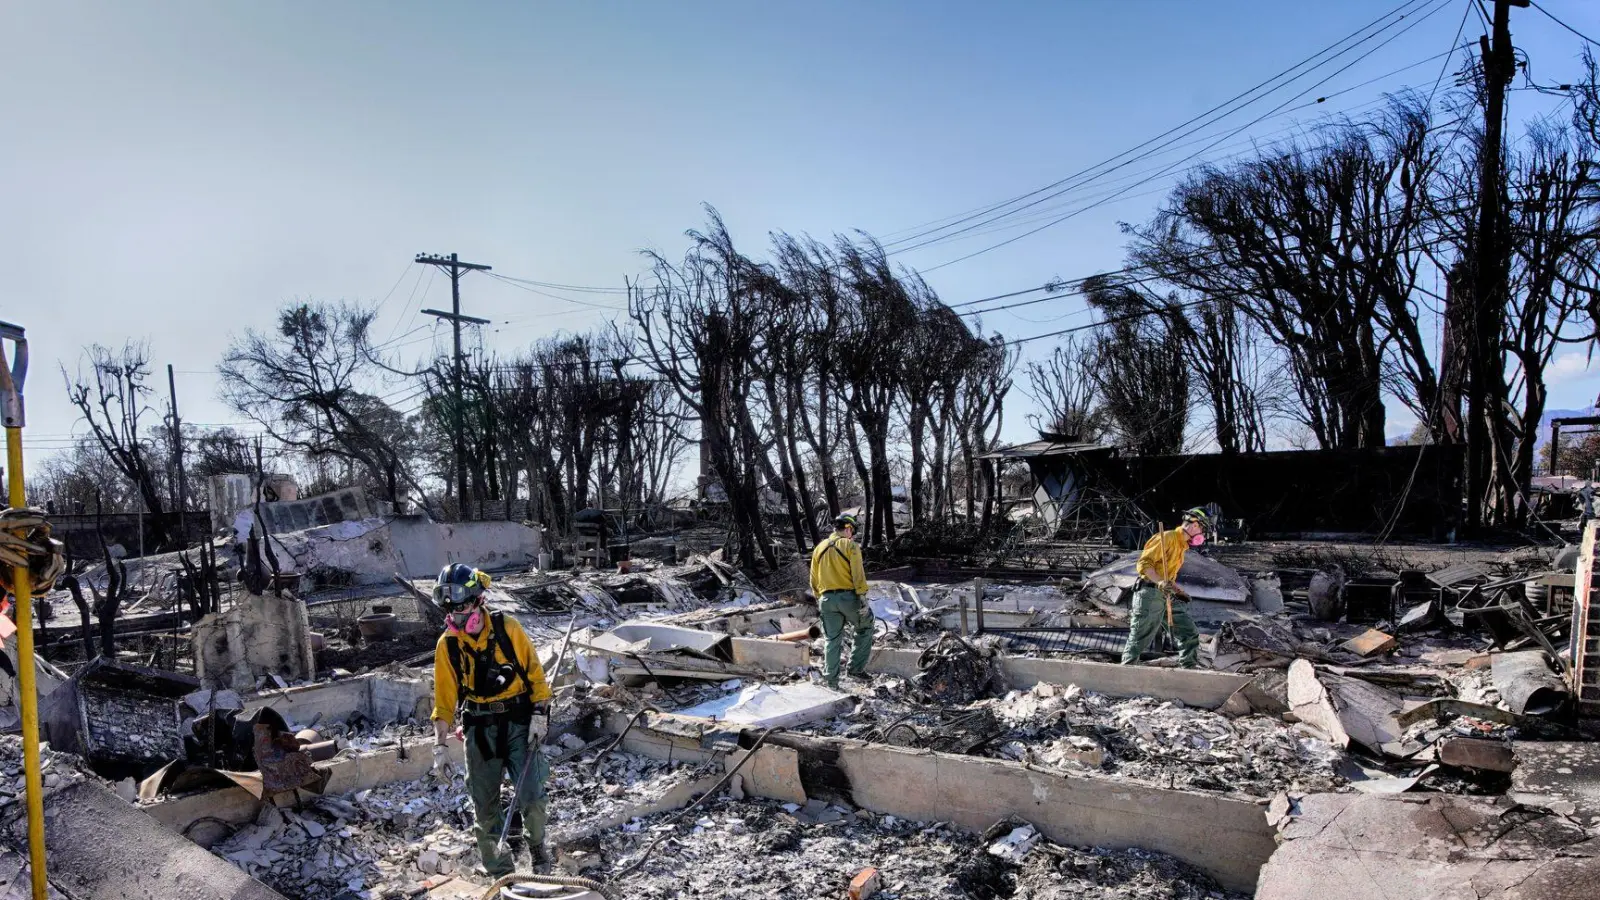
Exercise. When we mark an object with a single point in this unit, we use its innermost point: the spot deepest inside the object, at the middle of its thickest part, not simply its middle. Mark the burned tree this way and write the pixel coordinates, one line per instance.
(1140, 372)
(1321, 248)
(303, 385)
(111, 398)
(873, 341)
(1064, 387)
(699, 327)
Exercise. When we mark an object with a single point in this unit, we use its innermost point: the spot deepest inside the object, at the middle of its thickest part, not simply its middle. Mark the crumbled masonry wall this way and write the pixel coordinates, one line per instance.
(371, 551)
(348, 505)
(261, 635)
(127, 727)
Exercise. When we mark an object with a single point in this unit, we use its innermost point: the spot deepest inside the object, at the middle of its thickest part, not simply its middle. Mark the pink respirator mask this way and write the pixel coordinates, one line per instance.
(470, 622)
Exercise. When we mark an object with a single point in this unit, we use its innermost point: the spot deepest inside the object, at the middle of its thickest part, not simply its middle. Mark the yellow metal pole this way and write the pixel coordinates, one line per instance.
(23, 590)
(13, 372)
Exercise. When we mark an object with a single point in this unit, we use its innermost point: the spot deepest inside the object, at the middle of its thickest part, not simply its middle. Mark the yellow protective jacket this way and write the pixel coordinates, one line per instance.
(1162, 556)
(836, 566)
(446, 687)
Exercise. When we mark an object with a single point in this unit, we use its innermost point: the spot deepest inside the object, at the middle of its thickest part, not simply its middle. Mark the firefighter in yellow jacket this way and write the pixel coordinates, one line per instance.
(485, 668)
(1157, 598)
(839, 581)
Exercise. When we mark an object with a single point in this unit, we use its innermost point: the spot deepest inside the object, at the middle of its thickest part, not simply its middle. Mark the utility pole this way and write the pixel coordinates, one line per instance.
(1489, 271)
(177, 451)
(455, 267)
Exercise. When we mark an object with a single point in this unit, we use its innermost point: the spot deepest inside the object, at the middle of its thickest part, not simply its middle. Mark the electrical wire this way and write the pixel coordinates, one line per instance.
(519, 285)
(1454, 46)
(1417, 21)
(581, 288)
(1204, 119)
(1553, 18)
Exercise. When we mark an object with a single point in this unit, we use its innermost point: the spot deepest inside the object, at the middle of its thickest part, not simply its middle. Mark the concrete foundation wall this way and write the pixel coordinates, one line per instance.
(1194, 687)
(236, 805)
(1228, 839)
(381, 698)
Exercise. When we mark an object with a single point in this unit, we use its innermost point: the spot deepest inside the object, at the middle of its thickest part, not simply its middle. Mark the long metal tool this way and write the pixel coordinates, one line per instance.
(527, 763)
(12, 375)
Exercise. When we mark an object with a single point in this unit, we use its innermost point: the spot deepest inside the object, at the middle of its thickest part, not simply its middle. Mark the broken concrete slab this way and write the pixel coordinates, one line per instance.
(1196, 687)
(1566, 771)
(642, 637)
(1345, 709)
(100, 848)
(774, 706)
(1202, 577)
(259, 636)
(1225, 837)
(1435, 847)
(774, 773)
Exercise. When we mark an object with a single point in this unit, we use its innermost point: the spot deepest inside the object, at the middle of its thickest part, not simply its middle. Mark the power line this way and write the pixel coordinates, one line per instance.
(1553, 18)
(1454, 46)
(1424, 17)
(1208, 117)
(1086, 172)
(581, 288)
(379, 309)
(518, 283)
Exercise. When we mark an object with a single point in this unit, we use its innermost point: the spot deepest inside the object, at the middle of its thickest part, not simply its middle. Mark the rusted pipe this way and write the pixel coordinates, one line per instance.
(804, 634)
(321, 750)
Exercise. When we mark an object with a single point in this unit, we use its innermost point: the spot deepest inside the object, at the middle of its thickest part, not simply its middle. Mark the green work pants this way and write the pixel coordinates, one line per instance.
(1150, 616)
(484, 777)
(840, 608)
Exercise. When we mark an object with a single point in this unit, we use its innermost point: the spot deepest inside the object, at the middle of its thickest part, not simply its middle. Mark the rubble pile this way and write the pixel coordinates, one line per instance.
(1161, 743)
(816, 851)
(58, 771)
(386, 841)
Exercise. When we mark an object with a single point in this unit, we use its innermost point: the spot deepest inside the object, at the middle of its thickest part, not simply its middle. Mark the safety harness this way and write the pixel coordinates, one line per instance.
(487, 681)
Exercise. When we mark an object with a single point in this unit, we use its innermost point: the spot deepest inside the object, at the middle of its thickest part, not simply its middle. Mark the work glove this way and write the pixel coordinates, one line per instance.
(539, 727)
(443, 768)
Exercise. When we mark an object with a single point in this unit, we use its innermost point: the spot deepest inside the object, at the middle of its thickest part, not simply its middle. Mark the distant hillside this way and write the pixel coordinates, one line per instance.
(1549, 414)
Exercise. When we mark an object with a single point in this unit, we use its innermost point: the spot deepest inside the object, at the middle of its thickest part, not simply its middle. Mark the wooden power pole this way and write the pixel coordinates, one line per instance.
(182, 500)
(455, 267)
(1489, 269)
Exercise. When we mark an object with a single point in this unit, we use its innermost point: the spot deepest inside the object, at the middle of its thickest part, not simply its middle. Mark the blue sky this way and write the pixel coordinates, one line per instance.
(177, 171)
